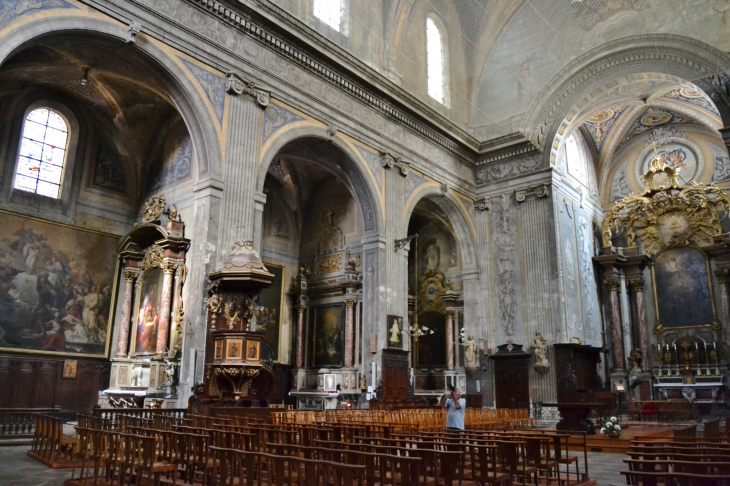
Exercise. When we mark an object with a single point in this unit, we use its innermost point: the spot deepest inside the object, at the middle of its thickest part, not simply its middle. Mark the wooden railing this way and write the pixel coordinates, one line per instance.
(19, 423)
(665, 410)
(113, 414)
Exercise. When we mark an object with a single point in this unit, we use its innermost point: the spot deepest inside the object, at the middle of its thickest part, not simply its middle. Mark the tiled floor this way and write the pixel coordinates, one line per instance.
(17, 469)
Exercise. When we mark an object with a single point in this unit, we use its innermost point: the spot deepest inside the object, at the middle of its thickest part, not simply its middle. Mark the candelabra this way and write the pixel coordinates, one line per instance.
(417, 331)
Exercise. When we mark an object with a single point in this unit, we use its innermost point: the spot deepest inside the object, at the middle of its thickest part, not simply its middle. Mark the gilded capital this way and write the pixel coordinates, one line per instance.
(130, 276)
(612, 284)
(637, 284)
(302, 308)
(450, 313)
(350, 303)
(168, 267)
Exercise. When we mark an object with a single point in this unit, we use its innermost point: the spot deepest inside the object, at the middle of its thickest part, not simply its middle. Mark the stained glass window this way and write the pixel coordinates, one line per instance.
(435, 61)
(42, 153)
(329, 12)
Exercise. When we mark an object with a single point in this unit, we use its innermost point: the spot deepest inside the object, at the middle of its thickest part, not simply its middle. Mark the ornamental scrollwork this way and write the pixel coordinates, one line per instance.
(152, 209)
(153, 257)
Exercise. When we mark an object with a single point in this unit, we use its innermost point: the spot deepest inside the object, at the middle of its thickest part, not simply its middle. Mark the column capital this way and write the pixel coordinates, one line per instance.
(450, 313)
(235, 85)
(481, 204)
(612, 284)
(302, 308)
(350, 303)
(169, 267)
(538, 192)
(636, 284)
(130, 275)
(390, 161)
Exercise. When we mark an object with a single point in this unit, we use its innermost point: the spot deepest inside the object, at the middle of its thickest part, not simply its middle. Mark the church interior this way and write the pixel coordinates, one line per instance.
(351, 211)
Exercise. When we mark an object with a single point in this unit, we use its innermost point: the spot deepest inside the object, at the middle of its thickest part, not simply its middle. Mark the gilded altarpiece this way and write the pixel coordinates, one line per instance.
(674, 230)
(151, 276)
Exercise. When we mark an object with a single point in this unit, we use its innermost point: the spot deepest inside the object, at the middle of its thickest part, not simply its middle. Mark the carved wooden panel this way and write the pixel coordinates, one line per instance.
(512, 380)
(32, 381)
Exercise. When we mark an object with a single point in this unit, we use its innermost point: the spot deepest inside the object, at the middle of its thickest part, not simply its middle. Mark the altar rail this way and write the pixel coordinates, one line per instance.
(113, 414)
(19, 423)
(664, 410)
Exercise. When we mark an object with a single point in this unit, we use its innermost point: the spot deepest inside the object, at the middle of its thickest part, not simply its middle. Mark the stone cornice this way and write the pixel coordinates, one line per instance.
(510, 148)
(253, 23)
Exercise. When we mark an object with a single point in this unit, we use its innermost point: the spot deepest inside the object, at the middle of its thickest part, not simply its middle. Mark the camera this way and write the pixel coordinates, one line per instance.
(450, 388)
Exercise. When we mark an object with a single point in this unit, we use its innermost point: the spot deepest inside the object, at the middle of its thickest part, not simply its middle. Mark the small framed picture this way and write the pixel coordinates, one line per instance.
(395, 332)
(330, 382)
(234, 349)
(252, 350)
(69, 368)
(218, 354)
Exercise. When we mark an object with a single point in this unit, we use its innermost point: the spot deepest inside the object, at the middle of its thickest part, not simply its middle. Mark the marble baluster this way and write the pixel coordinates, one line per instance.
(617, 336)
(637, 289)
(349, 331)
(450, 340)
(126, 315)
(163, 326)
(300, 336)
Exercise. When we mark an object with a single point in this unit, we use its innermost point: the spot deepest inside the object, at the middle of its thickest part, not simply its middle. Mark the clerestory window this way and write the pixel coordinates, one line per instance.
(329, 12)
(436, 61)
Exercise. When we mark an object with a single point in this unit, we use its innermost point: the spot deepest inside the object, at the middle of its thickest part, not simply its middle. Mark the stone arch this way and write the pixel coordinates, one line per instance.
(464, 231)
(181, 88)
(358, 180)
(676, 55)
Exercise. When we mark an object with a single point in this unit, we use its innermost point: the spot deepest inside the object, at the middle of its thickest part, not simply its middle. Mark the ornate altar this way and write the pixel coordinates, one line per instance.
(238, 359)
(674, 237)
(328, 300)
(151, 272)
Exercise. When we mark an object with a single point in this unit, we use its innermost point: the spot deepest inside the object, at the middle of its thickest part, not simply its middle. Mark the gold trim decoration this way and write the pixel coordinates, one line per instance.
(168, 267)
(130, 275)
(153, 258)
(152, 209)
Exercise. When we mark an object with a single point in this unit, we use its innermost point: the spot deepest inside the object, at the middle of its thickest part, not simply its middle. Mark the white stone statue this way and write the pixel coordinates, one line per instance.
(540, 350)
(432, 258)
(395, 332)
(470, 352)
(136, 379)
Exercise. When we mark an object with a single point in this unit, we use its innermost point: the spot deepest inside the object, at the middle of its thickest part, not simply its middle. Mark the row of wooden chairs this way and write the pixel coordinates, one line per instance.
(50, 443)
(680, 460)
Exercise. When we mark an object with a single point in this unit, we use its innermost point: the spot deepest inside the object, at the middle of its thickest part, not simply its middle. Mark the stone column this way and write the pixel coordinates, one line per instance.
(239, 198)
(123, 341)
(300, 337)
(450, 340)
(637, 289)
(163, 326)
(617, 335)
(349, 331)
(722, 275)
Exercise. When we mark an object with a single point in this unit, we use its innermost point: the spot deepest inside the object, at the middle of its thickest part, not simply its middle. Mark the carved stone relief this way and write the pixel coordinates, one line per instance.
(509, 168)
(587, 280)
(570, 271)
(505, 243)
(721, 163)
(620, 185)
(213, 86)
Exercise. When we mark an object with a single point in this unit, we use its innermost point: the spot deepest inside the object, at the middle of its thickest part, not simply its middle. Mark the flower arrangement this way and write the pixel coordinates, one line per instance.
(611, 428)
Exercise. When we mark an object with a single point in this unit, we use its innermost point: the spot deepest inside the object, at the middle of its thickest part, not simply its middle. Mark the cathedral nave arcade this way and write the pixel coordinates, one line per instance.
(242, 203)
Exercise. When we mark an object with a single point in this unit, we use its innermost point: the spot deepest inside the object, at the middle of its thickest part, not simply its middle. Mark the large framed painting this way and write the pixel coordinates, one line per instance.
(57, 288)
(148, 312)
(271, 303)
(432, 347)
(682, 289)
(328, 335)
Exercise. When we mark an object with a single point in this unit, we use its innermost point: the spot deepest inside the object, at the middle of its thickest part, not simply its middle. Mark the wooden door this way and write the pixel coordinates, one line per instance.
(512, 382)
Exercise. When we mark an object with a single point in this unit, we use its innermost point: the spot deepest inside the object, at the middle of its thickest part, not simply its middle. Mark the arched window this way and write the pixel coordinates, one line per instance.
(42, 153)
(436, 61)
(329, 12)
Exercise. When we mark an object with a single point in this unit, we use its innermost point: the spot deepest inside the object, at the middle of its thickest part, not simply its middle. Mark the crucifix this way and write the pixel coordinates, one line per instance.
(330, 218)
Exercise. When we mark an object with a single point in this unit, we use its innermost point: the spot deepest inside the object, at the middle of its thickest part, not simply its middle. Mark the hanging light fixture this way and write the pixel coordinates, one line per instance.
(84, 81)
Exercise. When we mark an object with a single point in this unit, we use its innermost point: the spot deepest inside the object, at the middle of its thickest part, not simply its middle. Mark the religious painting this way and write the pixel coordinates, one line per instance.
(682, 289)
(252, 352)
(69, 368)
(148, 314)
(234, 349)
(56, 288)
(675, 156)
(329, 382)
(268, 312)
(329, 336)
(395, 332)
(218, 354)
(432, 347)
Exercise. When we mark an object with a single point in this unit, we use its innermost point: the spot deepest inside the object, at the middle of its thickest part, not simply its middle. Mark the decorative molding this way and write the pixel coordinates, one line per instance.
(538, 192)
(508, 168)
(332, 130)
(132, 32)
(444, 189)
(276, 117)
(521, 149)
(505, 242)
(256, 30)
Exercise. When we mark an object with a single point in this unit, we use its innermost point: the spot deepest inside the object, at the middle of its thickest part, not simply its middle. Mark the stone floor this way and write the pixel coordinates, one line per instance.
(17, 469)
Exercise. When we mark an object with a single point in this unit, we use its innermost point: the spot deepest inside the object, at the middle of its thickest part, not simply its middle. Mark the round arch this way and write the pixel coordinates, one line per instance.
(462, 228)
(359, 182)
(182, 90)
(675, 55)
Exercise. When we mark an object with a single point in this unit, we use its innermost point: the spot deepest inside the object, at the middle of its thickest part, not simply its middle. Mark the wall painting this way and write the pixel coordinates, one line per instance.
(682, 289)
(56, 288)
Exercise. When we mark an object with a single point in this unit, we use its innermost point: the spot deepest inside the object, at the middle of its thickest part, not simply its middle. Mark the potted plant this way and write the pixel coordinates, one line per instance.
(611, 428)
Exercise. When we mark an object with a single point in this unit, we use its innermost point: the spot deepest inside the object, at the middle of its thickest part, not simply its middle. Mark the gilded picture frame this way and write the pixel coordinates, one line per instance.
(683, 278)
(71, 272)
